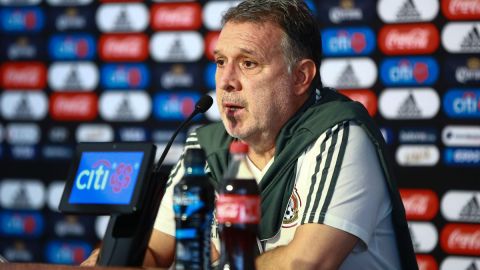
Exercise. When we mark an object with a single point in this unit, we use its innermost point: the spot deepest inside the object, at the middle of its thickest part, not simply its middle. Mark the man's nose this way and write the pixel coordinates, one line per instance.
(227, 78)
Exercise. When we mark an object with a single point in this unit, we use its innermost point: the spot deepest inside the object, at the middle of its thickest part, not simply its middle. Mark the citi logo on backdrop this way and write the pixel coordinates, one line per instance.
(348, 41)
(21, 224)
(462, 103)
(125, 76)
(409, 71)
(22, 19)
(72, 47)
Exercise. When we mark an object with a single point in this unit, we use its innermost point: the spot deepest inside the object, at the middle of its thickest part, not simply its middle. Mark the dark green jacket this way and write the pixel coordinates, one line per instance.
(298, 133)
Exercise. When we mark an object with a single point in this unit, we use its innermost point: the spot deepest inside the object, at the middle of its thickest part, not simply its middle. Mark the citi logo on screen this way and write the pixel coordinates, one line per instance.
(22, 19)
(461, 10)
(212, 13)
(394, 11)
(126, 18)
(461, 37)
(184, 46)
(409, 71)
(102, 173)
(348, 41)
(115, 47)
(174, 107)
(462, 103)
(72, 47)
(73, 76)
(125, 76)
(463, 157)
(408, 39)
(420, 204)
(23, 75)
(461, 206)
(348, 73)
(176, 16)
(23, 105)
(424, 236)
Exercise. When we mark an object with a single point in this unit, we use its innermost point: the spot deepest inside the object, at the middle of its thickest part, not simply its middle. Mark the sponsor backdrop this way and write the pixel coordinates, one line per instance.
(87, 70)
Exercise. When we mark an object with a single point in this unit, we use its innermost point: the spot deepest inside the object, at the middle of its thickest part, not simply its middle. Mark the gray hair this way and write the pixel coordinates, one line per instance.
(302, 39)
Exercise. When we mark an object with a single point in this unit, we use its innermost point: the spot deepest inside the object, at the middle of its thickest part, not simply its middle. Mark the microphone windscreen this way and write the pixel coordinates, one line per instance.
(204, 103)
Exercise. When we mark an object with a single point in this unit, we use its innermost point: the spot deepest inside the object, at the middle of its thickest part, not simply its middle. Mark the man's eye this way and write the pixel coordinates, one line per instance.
(220, 62)
(249, 64)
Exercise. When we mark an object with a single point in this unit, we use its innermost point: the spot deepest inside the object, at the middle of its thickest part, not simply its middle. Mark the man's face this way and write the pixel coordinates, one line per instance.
(253, 83)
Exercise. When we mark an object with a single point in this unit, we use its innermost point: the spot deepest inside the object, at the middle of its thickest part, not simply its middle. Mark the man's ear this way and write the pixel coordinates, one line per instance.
(304, 73)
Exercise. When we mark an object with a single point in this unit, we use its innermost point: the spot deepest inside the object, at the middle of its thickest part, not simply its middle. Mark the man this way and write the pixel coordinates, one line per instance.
(328, 199)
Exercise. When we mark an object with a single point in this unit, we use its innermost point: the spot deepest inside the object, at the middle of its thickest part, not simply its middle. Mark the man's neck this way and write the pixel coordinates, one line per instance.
(260, 158)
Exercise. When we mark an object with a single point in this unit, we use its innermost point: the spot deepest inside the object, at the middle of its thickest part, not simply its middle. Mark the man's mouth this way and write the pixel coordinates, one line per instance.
(232, 108)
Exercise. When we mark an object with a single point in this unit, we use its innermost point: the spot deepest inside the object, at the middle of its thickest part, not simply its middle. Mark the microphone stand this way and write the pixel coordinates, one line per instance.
(127, 236)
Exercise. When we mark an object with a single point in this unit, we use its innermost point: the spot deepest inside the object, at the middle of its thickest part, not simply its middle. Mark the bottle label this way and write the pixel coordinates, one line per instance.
(238, 209)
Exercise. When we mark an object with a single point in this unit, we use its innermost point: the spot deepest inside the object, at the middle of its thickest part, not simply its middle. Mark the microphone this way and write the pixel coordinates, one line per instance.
(201, 106)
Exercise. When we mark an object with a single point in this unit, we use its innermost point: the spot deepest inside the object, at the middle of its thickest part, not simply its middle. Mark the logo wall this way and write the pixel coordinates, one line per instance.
(131, 70)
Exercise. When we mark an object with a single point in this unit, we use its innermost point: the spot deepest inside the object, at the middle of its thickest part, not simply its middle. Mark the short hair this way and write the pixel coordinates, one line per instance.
(294, 18)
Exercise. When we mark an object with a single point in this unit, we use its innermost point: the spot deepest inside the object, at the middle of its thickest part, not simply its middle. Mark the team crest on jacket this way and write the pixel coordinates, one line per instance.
(291, 214)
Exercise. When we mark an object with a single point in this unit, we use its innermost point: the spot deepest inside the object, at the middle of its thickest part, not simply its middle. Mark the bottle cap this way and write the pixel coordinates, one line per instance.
(194, 157)
(238, 147)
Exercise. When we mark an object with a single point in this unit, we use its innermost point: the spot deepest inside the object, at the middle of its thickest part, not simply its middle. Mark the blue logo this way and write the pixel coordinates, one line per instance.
(209, 75)
(409, 71)
(125, 76)
(72, 47)
(464, 103)
(26, 19)
(349, 41)
(106, 178)
(174, 106)
(176, 76)
(462, 156)
(21, 224)
(67, 252)
(417, 135)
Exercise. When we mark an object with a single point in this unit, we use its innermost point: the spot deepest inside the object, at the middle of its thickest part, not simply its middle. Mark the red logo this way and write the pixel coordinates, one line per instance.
(366, 97)
(123, 47)
(23, 75)
(210, 43)
(420, 204)
(176, 16)
(238, 209)
(420, 72)
(461, 9)
(426, 262)
(73, 106)
(408, 39)
(463, 239)
(358, 42)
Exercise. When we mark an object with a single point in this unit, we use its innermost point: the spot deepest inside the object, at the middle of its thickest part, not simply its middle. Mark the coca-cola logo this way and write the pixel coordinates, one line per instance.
(408, 39)
(176, 16)
(426, 262)
(210, 43)
(238, 209)
(73, 106)
(461, 239)
(132, 47)
(420, 204)
(24, 75)
(461, 9)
